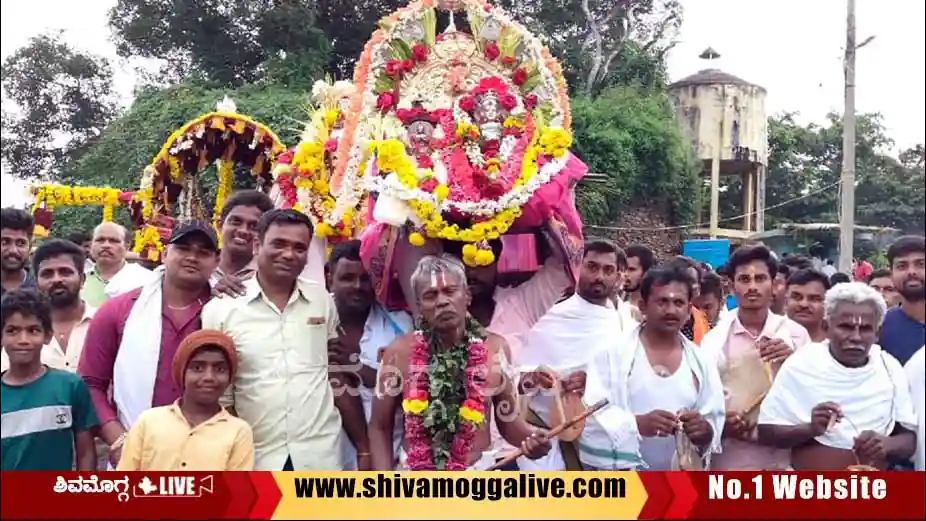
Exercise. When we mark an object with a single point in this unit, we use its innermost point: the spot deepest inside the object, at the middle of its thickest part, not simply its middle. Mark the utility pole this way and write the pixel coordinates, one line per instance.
(847, 192)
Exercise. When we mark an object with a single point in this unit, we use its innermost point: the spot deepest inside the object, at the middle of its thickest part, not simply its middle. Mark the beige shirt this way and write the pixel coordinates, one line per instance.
(53, 355)
(281, 388)
(162, 439)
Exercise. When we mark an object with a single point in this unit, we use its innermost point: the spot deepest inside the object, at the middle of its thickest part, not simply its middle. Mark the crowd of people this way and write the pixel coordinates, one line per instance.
(228, 358)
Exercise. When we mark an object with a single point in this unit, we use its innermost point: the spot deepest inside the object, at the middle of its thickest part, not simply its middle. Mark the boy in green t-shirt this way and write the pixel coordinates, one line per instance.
(47, 413)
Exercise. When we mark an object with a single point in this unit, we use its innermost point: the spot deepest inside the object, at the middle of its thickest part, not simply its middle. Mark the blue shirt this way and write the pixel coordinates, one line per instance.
(28, 283)
(901, 335)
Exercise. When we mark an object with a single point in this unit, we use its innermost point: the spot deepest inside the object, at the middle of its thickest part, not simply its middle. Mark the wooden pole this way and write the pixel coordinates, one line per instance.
(847, 192)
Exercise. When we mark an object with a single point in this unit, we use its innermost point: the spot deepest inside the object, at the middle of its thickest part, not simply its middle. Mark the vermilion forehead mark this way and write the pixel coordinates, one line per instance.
(437, 280)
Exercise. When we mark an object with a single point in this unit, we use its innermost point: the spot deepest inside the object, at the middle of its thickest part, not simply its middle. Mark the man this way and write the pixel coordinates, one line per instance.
(655, 380)
(512, 311)
(639, 260)
(59, 267)
(133, 337)
(238, 222)
(805, 293)
(111, 274)
(846, 403)
(710, 301)
(195, 433)
(882, 282)
(904, 329)
(839, 278)
(780, 289)
(440, 289)
(697, 324)
(283, 327)
(16, 227)
(366, 326)
(562, 342)
(85, 241)
(862, 270)
(916, 374)
(749, 349)
(47, 416)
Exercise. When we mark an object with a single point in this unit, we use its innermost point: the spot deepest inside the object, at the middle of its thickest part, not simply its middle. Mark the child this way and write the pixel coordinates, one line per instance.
(195, 433)
(47, 413)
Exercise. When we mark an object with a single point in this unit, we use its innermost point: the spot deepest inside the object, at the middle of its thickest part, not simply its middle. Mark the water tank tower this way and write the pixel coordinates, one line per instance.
(724, 116)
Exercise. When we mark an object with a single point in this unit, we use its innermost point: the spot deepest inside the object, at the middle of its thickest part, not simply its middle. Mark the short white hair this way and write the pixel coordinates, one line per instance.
(854, 293)
(432, 264)
(110, 224)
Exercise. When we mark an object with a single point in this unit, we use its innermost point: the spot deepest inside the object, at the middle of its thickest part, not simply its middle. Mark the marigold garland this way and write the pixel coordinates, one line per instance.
(51, 196)
(226, 183)
(149, 237)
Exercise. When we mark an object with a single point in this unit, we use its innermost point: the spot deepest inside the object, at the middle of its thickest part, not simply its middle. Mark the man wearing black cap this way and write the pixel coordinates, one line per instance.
(133, 337)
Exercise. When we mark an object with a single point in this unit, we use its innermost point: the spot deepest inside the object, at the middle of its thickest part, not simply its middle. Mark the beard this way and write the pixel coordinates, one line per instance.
(913, 294)
(63, 299)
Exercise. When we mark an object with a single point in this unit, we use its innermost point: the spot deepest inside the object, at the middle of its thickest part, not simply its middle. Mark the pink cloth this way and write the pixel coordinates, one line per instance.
(518, 308)
(742, 455)
(102, 345)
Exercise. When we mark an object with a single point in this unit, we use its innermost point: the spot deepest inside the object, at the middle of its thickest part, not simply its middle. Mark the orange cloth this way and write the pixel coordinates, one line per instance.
(195, 340)
(701, 325)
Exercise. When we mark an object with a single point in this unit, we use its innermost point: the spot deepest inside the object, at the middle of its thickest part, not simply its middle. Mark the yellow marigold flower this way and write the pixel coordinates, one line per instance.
(471, 416)
(321, 186)
(485, 257)
(324, 229)
(416, 407)
(441, 192)
(331, 117)
(416, 239)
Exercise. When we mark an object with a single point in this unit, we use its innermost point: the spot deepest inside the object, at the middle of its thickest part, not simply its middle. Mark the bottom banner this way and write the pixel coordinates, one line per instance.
(467, 495)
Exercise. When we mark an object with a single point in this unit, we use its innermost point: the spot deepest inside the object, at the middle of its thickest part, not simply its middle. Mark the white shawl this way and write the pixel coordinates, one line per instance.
(136, 367)
(564, 340)
(611, 439)
(131, 276)
(916, 374)
(873, 397)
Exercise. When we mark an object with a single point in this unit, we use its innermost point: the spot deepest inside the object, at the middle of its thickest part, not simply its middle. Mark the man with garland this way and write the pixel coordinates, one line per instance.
(452, 371)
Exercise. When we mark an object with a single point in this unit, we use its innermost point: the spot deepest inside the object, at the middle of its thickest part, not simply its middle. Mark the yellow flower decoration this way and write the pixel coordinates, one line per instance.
(416, 407)
(472, 416)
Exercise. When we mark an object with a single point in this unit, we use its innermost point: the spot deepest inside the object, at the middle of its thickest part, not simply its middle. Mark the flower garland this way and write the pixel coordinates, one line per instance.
(440, 403)
(148, 237)
(52, 196)
(226, 183)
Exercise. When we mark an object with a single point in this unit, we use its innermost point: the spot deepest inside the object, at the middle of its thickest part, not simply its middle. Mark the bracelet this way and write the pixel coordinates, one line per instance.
(117, 444)
(363, 454)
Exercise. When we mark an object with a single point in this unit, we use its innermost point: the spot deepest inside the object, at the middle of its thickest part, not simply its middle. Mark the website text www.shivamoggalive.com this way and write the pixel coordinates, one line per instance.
(528, 486)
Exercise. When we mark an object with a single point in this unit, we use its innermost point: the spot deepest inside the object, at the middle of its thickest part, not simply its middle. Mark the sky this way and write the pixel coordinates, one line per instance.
(793, 48)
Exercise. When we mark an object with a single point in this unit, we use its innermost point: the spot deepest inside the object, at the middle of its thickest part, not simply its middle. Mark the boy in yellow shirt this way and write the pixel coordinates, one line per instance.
(194, 433)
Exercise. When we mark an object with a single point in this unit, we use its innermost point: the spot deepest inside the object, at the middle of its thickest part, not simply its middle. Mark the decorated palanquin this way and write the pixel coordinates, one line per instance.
(461, 135)
(171, 189)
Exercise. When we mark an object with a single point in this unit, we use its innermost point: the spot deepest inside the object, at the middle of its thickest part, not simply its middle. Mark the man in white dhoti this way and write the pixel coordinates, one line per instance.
(562, 342)
(916, 374)
(366, 328)
(666, 401)
(846, 401)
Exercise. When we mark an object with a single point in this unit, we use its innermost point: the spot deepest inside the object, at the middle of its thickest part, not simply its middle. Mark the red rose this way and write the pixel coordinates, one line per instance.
(519, 77)
(491, 51)
(425, 162)
(420, 52)
(415, 394)
(508, 101)
(467, 103)
(530, 101)
(331, 145)
(394, 68)
(286, 157)
(509, 60)
(428, 185)
(487, 7)
(408, 65)
(385, 101)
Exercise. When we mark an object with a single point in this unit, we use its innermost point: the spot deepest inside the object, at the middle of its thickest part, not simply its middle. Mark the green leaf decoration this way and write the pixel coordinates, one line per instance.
(508, 42)
(429, 21)
(384, 84)
(531, 83)
(400, 49)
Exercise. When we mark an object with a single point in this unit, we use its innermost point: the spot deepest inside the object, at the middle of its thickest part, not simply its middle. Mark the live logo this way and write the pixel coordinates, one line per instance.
(177, 486)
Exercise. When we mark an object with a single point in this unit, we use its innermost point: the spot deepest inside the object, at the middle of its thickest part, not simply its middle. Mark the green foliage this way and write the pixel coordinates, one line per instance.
(632, 136)
(805, 165)
(63, 99)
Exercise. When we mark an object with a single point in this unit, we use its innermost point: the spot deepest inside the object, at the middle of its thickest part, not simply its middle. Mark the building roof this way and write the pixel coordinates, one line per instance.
(711, 77)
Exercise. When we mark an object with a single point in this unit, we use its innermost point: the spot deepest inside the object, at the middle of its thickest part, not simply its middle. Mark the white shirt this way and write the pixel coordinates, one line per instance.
(281, 388)
(53, 355)
(916, 373)
(650, 392)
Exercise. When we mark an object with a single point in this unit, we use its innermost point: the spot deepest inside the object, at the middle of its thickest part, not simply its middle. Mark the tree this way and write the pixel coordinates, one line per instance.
(632, 136)
(805, 165)
(223, 42)
(61, 101)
